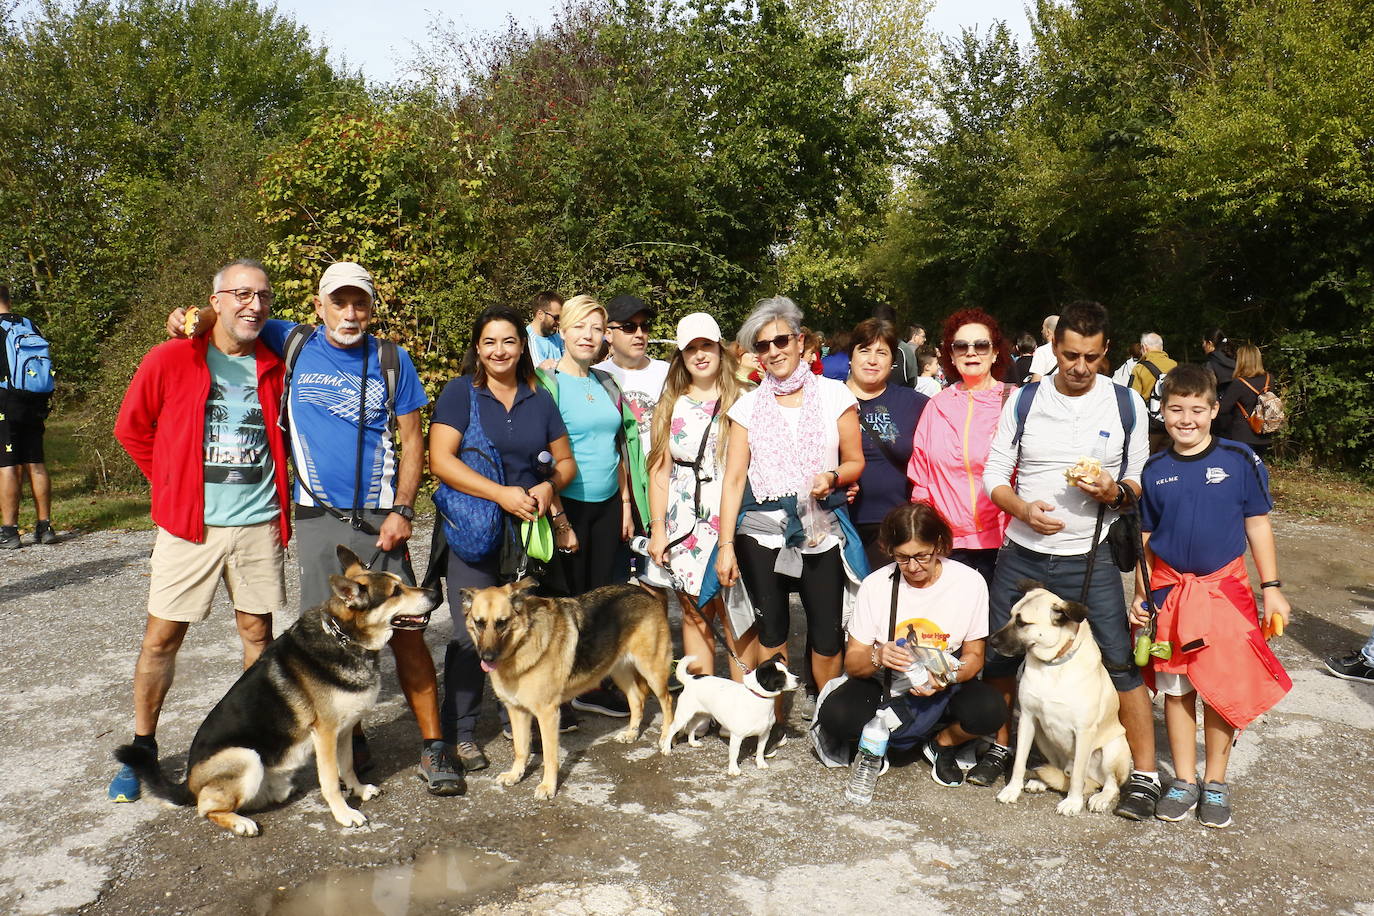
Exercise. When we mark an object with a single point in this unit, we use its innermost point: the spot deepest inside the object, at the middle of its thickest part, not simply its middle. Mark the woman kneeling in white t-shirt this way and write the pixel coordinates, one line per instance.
(941, 604)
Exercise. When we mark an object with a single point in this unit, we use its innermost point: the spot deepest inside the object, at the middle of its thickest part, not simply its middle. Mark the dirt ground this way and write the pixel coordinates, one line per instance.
(631, 831)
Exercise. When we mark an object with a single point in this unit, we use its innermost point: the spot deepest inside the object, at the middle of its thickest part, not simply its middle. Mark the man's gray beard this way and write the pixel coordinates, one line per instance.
(345, 340)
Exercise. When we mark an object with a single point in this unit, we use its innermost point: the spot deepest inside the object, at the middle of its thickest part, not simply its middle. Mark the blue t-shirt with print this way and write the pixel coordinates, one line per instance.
(883, 486)
(518, 434)
(592, 421)
(1195, 506)
(323, 402)
(239, 484)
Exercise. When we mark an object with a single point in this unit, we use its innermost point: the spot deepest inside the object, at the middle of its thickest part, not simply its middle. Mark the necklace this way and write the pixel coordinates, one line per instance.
(589, 389)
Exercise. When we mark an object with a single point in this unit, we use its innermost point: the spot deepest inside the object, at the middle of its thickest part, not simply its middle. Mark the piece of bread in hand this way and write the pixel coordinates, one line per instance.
(1086, 469)
(188, 325)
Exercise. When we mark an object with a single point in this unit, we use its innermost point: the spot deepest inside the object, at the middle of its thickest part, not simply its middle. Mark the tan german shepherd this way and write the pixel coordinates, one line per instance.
(308, 688)
(542, 652)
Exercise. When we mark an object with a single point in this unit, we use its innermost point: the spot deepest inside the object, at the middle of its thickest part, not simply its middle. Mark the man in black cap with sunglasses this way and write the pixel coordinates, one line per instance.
(349, 396)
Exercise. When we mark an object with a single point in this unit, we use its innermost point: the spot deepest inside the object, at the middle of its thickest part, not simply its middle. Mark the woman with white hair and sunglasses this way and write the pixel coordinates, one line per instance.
(793, 449)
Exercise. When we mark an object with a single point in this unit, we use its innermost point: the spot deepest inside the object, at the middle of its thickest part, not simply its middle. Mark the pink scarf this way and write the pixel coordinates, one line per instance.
(781, 464)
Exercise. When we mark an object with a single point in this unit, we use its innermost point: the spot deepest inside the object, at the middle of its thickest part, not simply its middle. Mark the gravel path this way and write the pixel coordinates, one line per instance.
(631, 831)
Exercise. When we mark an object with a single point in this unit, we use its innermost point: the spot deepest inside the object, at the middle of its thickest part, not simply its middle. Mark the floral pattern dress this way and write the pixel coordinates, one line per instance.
(699, 522)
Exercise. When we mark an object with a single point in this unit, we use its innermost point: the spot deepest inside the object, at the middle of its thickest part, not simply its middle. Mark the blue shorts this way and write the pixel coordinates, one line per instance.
(1064, 576)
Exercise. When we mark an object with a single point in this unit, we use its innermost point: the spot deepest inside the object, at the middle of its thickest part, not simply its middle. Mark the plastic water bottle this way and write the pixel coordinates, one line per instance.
(1100, 449)
(543, 465)
(868, 762)
(640, 545)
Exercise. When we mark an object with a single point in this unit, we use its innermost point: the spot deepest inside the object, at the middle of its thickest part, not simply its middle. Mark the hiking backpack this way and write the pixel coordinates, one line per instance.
(1268, 417)
(29, 357)
(1154, 404)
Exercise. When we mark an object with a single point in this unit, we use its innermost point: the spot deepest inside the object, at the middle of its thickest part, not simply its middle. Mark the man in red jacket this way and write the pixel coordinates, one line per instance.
(200, 421)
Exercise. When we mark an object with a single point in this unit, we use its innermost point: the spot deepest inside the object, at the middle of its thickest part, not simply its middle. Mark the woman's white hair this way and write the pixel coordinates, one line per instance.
(767, 311)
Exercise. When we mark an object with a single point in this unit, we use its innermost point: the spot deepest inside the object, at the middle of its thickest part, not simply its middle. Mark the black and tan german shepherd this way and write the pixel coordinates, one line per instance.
(541, 652)
(308, 688)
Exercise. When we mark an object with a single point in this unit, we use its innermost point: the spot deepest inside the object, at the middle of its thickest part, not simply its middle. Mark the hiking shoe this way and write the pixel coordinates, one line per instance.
(440, 771)
(1215, 808)
(944, 768)
(9, 539)
(470, 756)
(1178, 801)
(362, 753)
(1351, 668)
(125, 787)
(43, 533)
(991, 767)
(1139, 795)
(607, 701)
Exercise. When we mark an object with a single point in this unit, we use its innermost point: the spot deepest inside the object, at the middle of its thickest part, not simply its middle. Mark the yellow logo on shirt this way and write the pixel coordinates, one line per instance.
(923, 632)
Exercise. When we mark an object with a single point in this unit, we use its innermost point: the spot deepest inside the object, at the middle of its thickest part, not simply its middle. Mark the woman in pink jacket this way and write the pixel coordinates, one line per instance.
(955, 433)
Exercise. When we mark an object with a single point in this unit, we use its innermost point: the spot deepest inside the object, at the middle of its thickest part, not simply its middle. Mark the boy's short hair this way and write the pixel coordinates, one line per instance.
(1188, 381)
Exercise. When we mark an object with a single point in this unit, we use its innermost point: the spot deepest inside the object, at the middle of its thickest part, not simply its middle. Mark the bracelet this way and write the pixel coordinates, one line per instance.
(656, 521)
(1272, 583)
(873, 657)
(725, 544)
(556, 515)
(837, 477)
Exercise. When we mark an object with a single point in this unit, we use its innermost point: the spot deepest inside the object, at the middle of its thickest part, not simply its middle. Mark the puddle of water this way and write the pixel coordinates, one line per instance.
(396, 890)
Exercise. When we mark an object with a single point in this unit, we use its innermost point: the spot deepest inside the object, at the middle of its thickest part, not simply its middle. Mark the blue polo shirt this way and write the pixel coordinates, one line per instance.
(1195, 506)
(519, 434)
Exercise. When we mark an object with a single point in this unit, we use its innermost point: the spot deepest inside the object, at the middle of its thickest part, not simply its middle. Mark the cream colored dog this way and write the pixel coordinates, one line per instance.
(1068, 704)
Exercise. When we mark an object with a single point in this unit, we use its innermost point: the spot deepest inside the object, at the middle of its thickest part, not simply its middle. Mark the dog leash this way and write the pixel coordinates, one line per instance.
(715, 628)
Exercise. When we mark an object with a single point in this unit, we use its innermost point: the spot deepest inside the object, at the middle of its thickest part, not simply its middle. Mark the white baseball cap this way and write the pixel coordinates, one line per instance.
(697, 326)
(346, 273)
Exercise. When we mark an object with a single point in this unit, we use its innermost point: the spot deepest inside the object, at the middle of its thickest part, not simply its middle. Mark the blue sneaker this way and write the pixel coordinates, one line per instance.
(125, 786)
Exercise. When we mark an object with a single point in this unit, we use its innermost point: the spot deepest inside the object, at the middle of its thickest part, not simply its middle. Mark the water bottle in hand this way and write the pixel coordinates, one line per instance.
(543, 465)
(868, 762)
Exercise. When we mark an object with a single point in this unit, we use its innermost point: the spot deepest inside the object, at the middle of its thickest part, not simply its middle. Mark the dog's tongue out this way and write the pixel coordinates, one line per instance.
(487, 666)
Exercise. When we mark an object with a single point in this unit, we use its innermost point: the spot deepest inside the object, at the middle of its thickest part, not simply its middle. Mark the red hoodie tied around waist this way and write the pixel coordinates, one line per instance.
(1213, 625)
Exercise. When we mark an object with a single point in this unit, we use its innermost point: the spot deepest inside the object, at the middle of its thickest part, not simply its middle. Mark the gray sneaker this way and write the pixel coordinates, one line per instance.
(9, 538)
(440, 771)
(1178, 801)
(1215, 808)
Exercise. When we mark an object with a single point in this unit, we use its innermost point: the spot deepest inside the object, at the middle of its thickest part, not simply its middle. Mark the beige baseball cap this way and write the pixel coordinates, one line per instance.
(346, 273)
(694, 326)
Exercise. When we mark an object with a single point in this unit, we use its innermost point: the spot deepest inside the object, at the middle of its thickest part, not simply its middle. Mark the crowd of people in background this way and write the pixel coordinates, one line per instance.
(875, 473)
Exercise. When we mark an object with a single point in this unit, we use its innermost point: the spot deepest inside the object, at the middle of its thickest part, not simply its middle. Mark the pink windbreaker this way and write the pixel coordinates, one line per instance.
(951, 446)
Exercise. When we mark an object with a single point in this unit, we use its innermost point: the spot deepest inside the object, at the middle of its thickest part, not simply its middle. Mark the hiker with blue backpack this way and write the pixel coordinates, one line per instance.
(26, 385)
(1060, 533)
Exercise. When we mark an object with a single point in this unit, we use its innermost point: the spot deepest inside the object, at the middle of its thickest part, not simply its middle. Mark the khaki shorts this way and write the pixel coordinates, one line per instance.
(249, 558)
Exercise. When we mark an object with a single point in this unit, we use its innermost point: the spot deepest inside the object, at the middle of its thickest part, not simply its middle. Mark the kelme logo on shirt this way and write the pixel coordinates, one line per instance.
(1216, 475)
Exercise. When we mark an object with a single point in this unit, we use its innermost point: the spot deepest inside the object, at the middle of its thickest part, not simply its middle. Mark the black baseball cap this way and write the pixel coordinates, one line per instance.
(623, 308)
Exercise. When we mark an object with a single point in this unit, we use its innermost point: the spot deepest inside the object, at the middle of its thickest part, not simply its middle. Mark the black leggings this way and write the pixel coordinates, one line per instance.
(975, 707)
(597, 526)
(822, 595)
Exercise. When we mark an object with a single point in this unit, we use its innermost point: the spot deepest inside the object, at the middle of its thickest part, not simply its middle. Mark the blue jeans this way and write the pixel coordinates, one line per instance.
(1064, 576)
(1368, 650)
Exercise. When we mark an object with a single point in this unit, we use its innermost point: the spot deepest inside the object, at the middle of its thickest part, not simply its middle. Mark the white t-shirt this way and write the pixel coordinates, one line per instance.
(836, 398)
(928, 386)
(1060, 430)
(641, 388)
(1042, 360)
(944, 615)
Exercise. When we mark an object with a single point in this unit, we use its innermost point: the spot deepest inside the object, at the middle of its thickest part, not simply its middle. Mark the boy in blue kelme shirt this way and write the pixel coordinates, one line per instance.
(1203, 500)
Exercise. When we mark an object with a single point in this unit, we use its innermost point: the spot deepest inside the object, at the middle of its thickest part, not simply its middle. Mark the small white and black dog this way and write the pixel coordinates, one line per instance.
(745, 710)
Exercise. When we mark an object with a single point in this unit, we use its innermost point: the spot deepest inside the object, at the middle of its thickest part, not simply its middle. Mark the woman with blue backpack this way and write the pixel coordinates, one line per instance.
(490, 426)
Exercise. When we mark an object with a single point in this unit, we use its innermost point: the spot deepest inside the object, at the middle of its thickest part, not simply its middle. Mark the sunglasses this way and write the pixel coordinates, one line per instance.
(981, 347)
(631, 327)
(781, 342)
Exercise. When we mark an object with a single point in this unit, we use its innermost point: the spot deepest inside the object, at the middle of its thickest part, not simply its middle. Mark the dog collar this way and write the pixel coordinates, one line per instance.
(1064, 656)
(331, 626)
(761, 696)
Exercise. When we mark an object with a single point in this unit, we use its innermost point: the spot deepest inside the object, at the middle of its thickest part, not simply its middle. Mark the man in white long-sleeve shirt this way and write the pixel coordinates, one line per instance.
(1072, 414)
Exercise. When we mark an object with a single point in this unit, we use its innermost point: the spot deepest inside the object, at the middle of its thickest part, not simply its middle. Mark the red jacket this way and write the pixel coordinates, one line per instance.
(1213, 625)
(162, 426)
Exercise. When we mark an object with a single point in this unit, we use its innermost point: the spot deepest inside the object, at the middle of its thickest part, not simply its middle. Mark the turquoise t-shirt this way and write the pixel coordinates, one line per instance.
(239, 486)
(592, 422)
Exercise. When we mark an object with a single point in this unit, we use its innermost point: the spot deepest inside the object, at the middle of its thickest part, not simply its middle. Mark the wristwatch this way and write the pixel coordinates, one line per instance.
(405, 512)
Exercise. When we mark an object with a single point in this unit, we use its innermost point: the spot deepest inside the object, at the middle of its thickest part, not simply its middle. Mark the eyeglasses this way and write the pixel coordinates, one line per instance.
(781, 341)
(244, 295)
(920, 559)
(981, 347)
(631, 327)
(554, 315)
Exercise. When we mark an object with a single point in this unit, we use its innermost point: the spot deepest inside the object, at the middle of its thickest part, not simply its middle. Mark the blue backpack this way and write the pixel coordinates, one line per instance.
(472, 524)
(29, 358)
